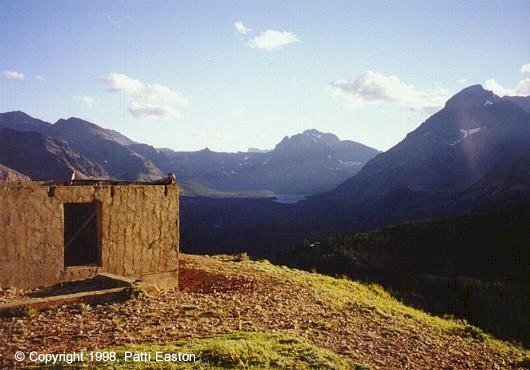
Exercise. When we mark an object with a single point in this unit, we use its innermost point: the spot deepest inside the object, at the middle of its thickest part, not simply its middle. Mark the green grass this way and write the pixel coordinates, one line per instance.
(343, 293)
(238, 350)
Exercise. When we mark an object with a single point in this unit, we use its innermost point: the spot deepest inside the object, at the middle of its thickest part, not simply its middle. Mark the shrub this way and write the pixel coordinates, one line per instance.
(470, 331)
(22, 311)
(134, 291)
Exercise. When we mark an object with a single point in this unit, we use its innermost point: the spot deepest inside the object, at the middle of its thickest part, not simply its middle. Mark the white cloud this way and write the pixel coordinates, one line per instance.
(375, 88)
(122, 83)
(462, 81)
(13, 75)
(522, 88)
(525, 68)
(87, 101)
(494, 86)
(149, 101)
(241, 28)
(270, 40)
(150, 112)
(39, 77)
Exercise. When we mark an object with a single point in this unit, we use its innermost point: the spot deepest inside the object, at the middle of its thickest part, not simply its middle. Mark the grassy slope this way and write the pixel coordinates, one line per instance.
(237, 313)
(249, 351)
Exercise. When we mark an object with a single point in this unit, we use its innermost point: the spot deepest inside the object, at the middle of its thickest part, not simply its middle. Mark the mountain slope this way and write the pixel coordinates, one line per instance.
(224, 298)
(44, 158)
(522, 101)
(120, 138)
(508, 182)
(451, 150)
(99, 145)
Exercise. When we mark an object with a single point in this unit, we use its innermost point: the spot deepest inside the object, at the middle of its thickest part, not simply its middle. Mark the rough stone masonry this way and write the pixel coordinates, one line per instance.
(137, 232)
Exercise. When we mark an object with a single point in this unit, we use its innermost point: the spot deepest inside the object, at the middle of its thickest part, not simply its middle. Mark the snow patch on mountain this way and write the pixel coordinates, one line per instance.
(471, 131)
(467, 132)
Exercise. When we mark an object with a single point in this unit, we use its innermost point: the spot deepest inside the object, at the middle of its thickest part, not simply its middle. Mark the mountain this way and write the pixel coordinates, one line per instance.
(313, 162)
(21, 121)
(99, 145)
(94, 143)
(305, 163)
(8, 174)
(156, 156)
(257, 150)
(475, 132)
(43, 158)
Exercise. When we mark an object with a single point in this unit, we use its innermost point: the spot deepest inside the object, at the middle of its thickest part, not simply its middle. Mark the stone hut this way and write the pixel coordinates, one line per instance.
(52, 233)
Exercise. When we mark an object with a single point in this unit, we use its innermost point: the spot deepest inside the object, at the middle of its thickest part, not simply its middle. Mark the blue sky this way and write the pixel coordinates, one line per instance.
(183, 75)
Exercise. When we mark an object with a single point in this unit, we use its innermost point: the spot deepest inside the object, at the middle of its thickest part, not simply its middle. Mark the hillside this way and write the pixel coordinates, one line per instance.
(459, 266)
(236, 313)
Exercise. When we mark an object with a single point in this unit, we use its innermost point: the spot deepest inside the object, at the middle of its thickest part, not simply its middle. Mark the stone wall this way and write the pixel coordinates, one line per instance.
(139, 231)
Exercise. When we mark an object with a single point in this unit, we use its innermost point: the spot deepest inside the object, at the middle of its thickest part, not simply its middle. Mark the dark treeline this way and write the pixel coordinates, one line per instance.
(474, 267)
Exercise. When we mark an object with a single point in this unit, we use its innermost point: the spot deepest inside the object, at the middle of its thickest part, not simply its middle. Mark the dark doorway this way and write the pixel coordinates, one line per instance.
(82, 240)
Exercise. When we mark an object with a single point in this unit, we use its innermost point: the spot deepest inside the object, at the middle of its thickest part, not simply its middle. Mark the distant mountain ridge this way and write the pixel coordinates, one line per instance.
(306, 163)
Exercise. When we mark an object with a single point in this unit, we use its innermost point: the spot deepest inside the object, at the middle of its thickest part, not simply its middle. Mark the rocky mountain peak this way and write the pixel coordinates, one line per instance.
(470, 97)
(308, 139)
(312, 132)
(21, 121)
